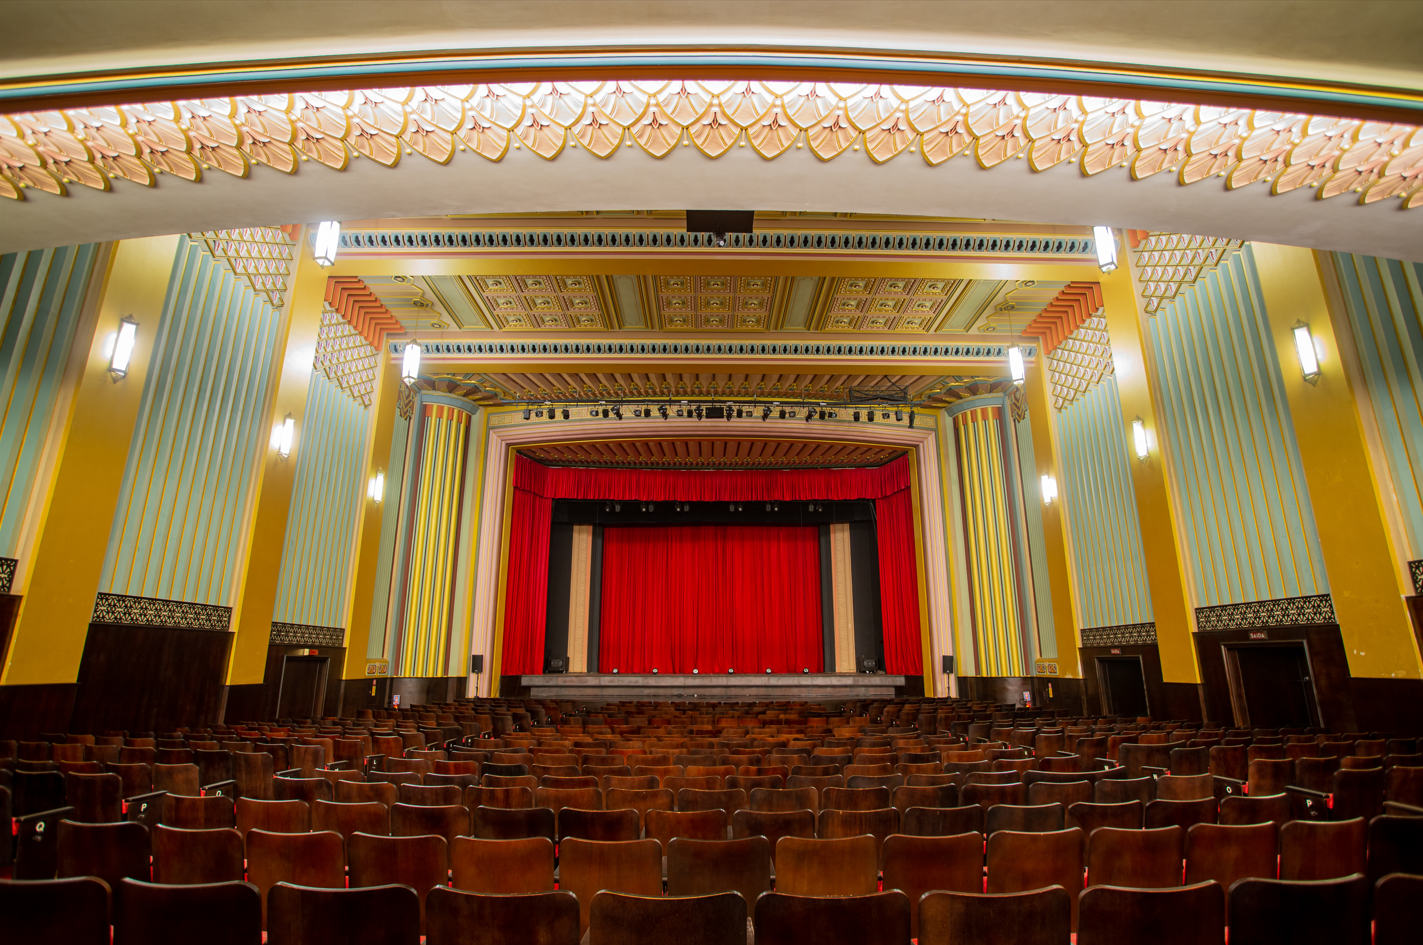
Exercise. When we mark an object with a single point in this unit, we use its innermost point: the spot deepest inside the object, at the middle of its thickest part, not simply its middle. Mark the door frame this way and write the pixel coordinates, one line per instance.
(319, 701)
(1230, 653)
(1106, 690)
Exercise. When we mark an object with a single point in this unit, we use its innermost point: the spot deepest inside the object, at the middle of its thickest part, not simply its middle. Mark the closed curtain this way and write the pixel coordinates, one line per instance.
(898, 586)
(526, 594)
(712, 598)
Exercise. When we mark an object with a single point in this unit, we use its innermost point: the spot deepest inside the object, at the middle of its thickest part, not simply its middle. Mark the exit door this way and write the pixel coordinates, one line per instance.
(1271, 685)
(1123, 685)
(303, 687)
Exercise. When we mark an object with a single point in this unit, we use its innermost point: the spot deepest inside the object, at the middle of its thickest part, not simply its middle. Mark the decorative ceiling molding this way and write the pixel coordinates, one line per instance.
(358, 305)
(1170, 262)
(345, 357)
(95, 146)
(1075, 303)
(1080, 362)
(262, 255)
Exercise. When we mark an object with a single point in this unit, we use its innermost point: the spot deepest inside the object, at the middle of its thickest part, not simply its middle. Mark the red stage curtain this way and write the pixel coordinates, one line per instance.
(526, 593)
(695, 485)
(898, 585)
(710, 598)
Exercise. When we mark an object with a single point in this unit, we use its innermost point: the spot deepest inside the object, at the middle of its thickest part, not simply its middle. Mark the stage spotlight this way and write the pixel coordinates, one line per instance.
(731, 506)
(663, 410)
(654, 670)
(738, 413)
(527, 413)
(855, 416)
(695, 672)
(730, 671)
(592, 411)
(605, 413)
(699, 411)
(565, 413)
(607, 506)
(884, 415)
(618, 412)
(898, 415)
(726, 412)
(679, 411)
(617, 506)
(805, 671)
(776, 506)
(822, 413)
(768, 672)
(869, 416)
(783, 413)
(834, 415)
(765, 413)
(911, 418)
(552, 417)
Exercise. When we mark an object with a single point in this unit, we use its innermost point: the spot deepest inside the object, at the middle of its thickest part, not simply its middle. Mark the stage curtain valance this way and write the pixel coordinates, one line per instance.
(898, 585)
(696, 485)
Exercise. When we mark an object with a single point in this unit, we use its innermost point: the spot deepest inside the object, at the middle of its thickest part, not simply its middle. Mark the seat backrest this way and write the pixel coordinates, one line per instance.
(305, 859)
(773, 825)
(1065, 793)
(447, 820)
(73, 910)
(1238, 809)
(1332, 910)
(1040, 818)
(604, 825)
(187, 857)
(1396, 899)
(558, 798)
(1174, 787)
(867, 798)
(1269, 775)
(506, 798)
(1318, 850)
(1183, 814)
(1395, 846)
(216, 913)
(1119, 790)
(588, 866)
(422, 795)
(942, 821)
(1038, 917)
(1225, 853)
(348, 818)
(109, 851)
(1089, 817)
(197, 813)
(548, 918)
(297, 915)
(876, 919)
(714, 919)
(274, 816)
(1179, 916)
(1358, 792)
(730, 800)
(1143, 859)
(915, 865)
(663, 825)
(697, 867)
(827, 867)
(417, 862)
(772, 799)
(879, 823)
(502, 867)
(1018, 862)
(493, 823)
(363, 792)
(96, 798)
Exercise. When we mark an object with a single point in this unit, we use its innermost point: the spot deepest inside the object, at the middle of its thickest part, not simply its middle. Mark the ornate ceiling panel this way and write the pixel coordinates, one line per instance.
(523, 302)
(99, 146)
(713, 302)
(860, 303)
(1080, 362)
(713, 453)
(1074, 304)
(345, 357)
(260, 254)
(1169, 262)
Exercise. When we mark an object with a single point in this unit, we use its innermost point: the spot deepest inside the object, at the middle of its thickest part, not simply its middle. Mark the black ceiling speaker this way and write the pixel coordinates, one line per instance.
(720, 221)
(949, 664)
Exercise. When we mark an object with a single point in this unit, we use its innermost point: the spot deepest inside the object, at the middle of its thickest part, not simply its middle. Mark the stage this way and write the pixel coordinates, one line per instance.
(769, 687)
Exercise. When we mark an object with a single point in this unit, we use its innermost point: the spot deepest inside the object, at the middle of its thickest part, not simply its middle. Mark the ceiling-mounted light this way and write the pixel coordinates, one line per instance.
(726, 412)
(328, 240)
(565, 413)
(120, 347)
(869, 416)
(550, 414)
(809, 415)
(855, 416)
(1049, 489)
(783, 413)
(1308, 354)
(662, 409)
(1015, 364)
(911, 418)
(898, 415)
(1106, 247)
(375, 489)
(283, 436)
(410, 361)
(1139, 438)
(699, 411)
(529, 413)
(765, 414)
(617, 411)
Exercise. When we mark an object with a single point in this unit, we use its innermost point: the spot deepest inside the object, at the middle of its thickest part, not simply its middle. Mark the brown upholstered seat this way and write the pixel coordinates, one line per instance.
(663, 825)
(773, 825)
(1227, 853)
(502, 867)
(422, 795)
(1037, 917)
(986, 795)
(273, 816)
(942, 821)
(1183, 814)
(603, 825)
(346, 819)
(1065, 793)
(175, 779)
(916, 865)
(1176, 787)
(307, 859)
(197, 813)
(714, 919)
(366, 792)
(1239, 809)
(110, 851)
(493, 823)
(448, 821)
(827, 867)
(730, 800)
(1121, 790)
(1041, 818)
(309, 790)
(505, 798)
(1280, 912)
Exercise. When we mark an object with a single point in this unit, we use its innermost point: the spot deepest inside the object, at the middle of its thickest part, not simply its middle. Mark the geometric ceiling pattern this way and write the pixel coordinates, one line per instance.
(345, 357)
(261, 255)
(104, 144)
(1075, 303)
(552, 302)
(1167, 263)
(713, 302)
(712, 453)
(888, 304)
(1081, 361)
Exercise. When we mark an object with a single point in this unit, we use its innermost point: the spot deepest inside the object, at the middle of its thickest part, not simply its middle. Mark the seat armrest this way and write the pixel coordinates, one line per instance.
(146, 809)
(1310, 805)
(288, 773)
(37, 843)
(375, 763)
(341, 765)
(220, 789)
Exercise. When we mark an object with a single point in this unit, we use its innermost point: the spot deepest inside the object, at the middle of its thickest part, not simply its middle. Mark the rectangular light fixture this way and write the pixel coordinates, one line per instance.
(123, 342)
(1015, 364)
(410, 362)
(1139, 440)
(283, 436)
(1106, 248)
(375, 489)
(328, 239)
(1308, 357)
(1049, 490)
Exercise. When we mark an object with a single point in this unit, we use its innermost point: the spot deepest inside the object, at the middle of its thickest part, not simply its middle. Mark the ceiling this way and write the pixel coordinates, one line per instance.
(712, 453)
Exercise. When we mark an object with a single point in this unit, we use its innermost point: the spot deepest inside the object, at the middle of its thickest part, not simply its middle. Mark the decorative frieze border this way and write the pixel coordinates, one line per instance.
(738, 350)
(1127, 634)
(301, 634)
(1280, 612)
(1415, 568)
(157, 612)
(7, 573)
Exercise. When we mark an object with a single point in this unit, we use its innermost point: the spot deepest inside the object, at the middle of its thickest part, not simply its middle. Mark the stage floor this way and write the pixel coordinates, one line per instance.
(813, 687)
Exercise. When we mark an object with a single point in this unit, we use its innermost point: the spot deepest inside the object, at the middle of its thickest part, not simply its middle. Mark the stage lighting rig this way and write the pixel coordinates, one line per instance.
(699, 411)
(855, 416)
(662, 409)
(765, 414)
(550, 414)
(783, 413)
(869, 416)
(527, 413)
(617, 412)
(565, 413)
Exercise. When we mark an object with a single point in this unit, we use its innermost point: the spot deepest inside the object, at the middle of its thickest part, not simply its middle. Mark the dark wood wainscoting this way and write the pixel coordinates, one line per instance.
(1388, 705)
(419, 690)
(1150, 660)
(150, 678)
(26, 711)
(1328, 666)
(363, 693)
(1066, 693)
(261, 702)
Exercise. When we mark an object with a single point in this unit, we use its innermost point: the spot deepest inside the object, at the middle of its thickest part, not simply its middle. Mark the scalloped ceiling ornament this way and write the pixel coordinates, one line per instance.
(50, 150)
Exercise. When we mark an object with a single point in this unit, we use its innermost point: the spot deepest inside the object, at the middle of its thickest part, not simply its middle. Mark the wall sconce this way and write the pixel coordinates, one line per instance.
(1106, 248)
(375, 489)
(1049, 489)
(1015, 364)
(283, 435)
(1308, 355)
(328, 240)
(410, 363)
(119, 347)
(1139, 439)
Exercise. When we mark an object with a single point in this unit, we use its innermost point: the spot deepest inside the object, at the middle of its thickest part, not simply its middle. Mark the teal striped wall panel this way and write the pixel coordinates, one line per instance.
(330, 487)
(1234, 464)
(41, 302)
(1108, 565)
(202, 430)
(1385, 308)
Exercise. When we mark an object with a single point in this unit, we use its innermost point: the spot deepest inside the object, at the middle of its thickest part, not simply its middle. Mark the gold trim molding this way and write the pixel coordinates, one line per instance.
(96, 146)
